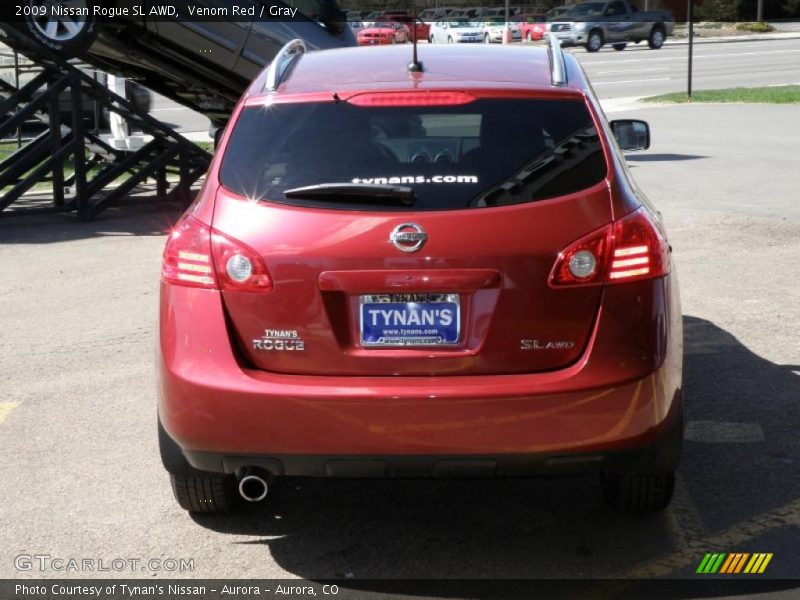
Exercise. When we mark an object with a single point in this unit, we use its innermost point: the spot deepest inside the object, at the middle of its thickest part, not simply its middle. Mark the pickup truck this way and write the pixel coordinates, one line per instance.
(593, 24)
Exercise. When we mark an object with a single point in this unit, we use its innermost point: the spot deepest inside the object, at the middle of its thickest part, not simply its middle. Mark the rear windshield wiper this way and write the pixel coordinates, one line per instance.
(358, 193)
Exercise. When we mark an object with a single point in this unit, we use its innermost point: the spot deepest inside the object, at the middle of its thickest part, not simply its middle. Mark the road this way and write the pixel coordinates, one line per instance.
(639, 71)
(82, 478)
(636, 72)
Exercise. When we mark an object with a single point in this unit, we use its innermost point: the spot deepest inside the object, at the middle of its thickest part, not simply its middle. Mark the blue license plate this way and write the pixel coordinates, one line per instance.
(410, 319)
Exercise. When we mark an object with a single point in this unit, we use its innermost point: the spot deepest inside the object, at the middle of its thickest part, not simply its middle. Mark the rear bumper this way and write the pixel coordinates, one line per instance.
(662, 453)
(572, 38)
(497, 36)
(621, 395)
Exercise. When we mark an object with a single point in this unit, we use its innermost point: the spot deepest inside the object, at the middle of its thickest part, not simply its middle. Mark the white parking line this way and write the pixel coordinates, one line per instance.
(723, 432)
(634, 70)
(683, 57)
(596, 83)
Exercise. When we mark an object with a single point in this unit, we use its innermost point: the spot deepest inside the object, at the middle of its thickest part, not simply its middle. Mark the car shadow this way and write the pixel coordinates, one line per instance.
(551, 528)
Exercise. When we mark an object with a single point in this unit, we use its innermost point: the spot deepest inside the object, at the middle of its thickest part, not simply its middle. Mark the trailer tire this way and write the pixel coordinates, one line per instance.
(54, 35)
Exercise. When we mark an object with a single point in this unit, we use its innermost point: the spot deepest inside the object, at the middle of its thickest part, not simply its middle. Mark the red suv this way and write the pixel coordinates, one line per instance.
(400, 269)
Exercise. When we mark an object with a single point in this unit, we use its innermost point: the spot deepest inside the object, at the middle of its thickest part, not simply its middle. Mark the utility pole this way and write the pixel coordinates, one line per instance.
(760, 11)
(506, 29)
(691, 46)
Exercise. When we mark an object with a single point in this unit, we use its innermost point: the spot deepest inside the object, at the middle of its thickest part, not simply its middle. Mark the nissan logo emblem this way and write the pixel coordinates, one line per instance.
(408, 237)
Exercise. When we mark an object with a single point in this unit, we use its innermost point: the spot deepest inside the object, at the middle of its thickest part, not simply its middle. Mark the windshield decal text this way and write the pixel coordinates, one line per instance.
(418, 179)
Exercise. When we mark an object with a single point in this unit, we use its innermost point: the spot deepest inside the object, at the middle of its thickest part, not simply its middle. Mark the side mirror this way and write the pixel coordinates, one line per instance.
(218, 136)
(631, 134)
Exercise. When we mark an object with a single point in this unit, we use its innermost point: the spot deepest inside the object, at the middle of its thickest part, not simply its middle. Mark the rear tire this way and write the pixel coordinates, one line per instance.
(195, 491)
(638, 493)
(595, 41)
(656, 39)
(209, 494)
(619, 47)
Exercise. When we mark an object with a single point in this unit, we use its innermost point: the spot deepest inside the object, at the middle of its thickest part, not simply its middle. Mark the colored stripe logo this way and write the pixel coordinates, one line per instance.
(734, 563)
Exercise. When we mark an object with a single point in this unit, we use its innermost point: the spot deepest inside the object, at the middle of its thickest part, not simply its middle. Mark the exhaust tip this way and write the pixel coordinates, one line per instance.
(253, 488)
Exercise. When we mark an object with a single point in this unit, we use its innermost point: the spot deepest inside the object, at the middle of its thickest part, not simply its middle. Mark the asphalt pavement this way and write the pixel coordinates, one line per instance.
(639, 71)
(81, 475)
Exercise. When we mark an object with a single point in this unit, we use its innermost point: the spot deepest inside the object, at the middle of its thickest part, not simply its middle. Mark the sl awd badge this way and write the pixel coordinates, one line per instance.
(546, 344)
(280, 340)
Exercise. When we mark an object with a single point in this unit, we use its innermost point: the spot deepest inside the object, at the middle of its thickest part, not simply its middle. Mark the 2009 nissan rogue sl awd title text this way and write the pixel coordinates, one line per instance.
(440, 268)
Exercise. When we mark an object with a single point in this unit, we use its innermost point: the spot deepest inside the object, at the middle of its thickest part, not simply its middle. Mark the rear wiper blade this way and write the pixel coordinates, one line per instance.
(367, 193)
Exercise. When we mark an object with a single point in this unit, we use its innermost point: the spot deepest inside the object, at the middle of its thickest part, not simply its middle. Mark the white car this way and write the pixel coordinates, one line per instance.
(493, 30)
(455, 31)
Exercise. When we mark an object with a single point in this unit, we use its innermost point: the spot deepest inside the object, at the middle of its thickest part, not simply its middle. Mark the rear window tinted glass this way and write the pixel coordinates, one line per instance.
(488, 152)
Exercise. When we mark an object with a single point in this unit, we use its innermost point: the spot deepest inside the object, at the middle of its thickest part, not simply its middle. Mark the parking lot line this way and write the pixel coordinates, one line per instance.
(683, 58)
(631, 81)
(6, 408)
(648, 69)
(732, 538)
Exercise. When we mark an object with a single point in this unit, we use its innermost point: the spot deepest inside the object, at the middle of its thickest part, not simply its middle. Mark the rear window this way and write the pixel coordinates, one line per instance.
(488, 152)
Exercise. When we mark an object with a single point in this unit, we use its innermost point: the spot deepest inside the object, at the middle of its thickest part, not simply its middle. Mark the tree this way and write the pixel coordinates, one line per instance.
(719, 10)
(791, 8)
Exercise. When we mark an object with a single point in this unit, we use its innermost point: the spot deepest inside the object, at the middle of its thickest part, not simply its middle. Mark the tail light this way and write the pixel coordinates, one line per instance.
(629, 249)
(198, 256)
(187, 256)
(239, 267)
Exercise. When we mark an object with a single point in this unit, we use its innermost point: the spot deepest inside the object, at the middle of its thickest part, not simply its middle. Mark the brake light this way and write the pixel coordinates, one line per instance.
(198, 256)
(411, 99)
(629, 249)
(187, 255)
(640, 252)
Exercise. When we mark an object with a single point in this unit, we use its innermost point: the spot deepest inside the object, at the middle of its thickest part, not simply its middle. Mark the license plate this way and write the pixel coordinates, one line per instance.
(410, 319)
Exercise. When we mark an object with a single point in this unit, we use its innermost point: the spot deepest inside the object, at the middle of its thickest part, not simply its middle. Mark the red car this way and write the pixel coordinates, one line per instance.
(532, 27)
(422, 28)
(441, 273)
(386, 32)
